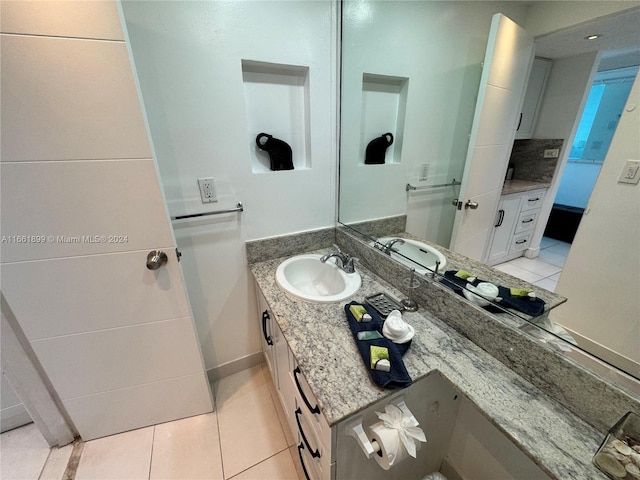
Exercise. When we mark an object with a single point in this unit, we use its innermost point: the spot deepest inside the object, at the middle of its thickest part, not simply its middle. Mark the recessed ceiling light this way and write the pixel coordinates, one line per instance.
(592, 37)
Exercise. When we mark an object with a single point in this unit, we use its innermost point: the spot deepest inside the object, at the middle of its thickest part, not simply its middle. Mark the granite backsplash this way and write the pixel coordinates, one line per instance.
(527, 158)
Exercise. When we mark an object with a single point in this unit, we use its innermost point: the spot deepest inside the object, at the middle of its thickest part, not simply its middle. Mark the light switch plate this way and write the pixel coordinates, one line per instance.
(423, 172)
(630, 172)
(551, 153)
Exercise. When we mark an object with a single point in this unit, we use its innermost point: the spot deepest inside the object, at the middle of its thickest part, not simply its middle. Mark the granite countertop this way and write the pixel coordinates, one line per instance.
(517, 186)
(319, 338)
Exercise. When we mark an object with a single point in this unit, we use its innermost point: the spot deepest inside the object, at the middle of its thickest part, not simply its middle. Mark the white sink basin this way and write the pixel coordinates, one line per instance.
(306, 277)
(415, 254)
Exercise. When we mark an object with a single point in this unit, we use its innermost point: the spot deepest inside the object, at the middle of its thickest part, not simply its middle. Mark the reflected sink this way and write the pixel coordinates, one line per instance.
(306, 277)
(423, 255)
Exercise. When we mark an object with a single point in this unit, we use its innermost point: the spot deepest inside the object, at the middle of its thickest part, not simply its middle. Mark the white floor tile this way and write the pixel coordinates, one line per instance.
(56, 463)
(537, 266)
(548, 256)
(187, 448)
(119, 457)
(547, 242)
(280, 467)
(250, 431)
(518, 272)
(547, 284)
(561, 248)
(239, 384)
(556, 277)
(24, 452)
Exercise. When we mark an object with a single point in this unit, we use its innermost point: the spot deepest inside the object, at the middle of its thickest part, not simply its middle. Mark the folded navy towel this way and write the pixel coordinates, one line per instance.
(533, 307)
(397, 377)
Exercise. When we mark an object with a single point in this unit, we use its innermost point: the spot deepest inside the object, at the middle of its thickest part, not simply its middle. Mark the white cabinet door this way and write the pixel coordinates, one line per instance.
(533, 97)
(284, 366)
(506, 69)
(508, 214)
(267, 337)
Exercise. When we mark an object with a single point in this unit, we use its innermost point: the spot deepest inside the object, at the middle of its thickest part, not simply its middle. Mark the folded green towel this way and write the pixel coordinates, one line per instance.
(464, 274)
(522, 293)
(378, 353)
(358, 311)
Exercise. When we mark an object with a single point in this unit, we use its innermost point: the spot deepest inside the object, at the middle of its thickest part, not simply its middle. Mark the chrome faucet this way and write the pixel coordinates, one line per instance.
(345, 261)
(388, 247)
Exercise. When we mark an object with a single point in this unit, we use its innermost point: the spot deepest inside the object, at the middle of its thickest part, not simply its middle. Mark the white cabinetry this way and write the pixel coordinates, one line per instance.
(533, 97)
(314, 437)
(515, 223)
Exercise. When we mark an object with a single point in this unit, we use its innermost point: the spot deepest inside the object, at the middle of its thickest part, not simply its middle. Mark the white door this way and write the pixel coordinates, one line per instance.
(507, 64)
(81, 209)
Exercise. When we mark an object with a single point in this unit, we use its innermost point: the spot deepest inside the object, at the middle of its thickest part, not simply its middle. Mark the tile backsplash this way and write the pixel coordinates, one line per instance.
(527, 157)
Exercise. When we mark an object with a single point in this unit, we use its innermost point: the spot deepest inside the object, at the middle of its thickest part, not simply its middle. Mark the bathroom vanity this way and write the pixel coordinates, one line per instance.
(481, 419)
(517, 217)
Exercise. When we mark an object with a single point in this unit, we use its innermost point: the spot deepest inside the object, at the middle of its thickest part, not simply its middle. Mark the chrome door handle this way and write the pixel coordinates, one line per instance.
(155, 259)
(471, 205)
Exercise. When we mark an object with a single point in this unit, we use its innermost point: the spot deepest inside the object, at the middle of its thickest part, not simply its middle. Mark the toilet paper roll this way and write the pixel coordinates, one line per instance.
(392, 451)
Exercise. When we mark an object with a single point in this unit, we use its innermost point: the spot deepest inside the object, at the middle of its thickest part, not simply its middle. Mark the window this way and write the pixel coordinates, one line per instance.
(602, 111)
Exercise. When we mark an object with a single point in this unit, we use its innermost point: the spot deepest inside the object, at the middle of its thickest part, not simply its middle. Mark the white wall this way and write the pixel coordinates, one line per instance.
(549, 16)
(116, 341)
(188, 60)
(438, 47)
(601, 275)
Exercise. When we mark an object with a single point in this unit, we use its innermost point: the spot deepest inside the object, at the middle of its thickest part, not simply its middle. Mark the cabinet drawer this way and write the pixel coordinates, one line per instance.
(313, 468)
(532, 200)
(526, 221)
(315, 455)
(309, 406)
(520, 242)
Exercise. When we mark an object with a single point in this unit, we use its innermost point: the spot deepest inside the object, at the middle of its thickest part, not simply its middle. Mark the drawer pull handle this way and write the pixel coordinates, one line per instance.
(304, 469)
(534, 199)
(527, 221)
(500, 218)
(296, 372)
(520, 242)
(267, 338)
(314, 453)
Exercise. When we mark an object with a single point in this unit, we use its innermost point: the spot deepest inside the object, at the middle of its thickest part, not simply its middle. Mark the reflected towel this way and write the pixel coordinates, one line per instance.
(530, 306)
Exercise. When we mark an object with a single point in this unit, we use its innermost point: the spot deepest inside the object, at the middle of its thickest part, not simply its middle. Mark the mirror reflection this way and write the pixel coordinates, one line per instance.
(499, 184)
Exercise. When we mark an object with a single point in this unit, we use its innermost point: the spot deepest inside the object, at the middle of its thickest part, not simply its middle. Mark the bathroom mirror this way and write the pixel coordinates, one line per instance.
(413, 69)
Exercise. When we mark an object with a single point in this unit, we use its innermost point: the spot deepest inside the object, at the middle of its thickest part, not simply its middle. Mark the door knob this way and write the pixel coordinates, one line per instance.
(471, 205)
(155, 259)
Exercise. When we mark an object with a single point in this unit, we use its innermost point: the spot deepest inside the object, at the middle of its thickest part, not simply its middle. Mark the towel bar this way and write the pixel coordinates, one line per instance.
(239, 208)
(411, 187)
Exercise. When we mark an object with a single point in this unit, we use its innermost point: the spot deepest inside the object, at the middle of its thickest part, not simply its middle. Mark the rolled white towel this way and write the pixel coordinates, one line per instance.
(435, 476)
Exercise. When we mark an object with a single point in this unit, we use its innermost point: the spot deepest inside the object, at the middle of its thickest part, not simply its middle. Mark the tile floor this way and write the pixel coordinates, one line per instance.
(243, 439)
(543, 271)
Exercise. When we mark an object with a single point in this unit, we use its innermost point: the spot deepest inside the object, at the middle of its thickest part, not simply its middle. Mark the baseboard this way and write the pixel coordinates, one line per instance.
(234, 366)
(532, 252)
(14, 417)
